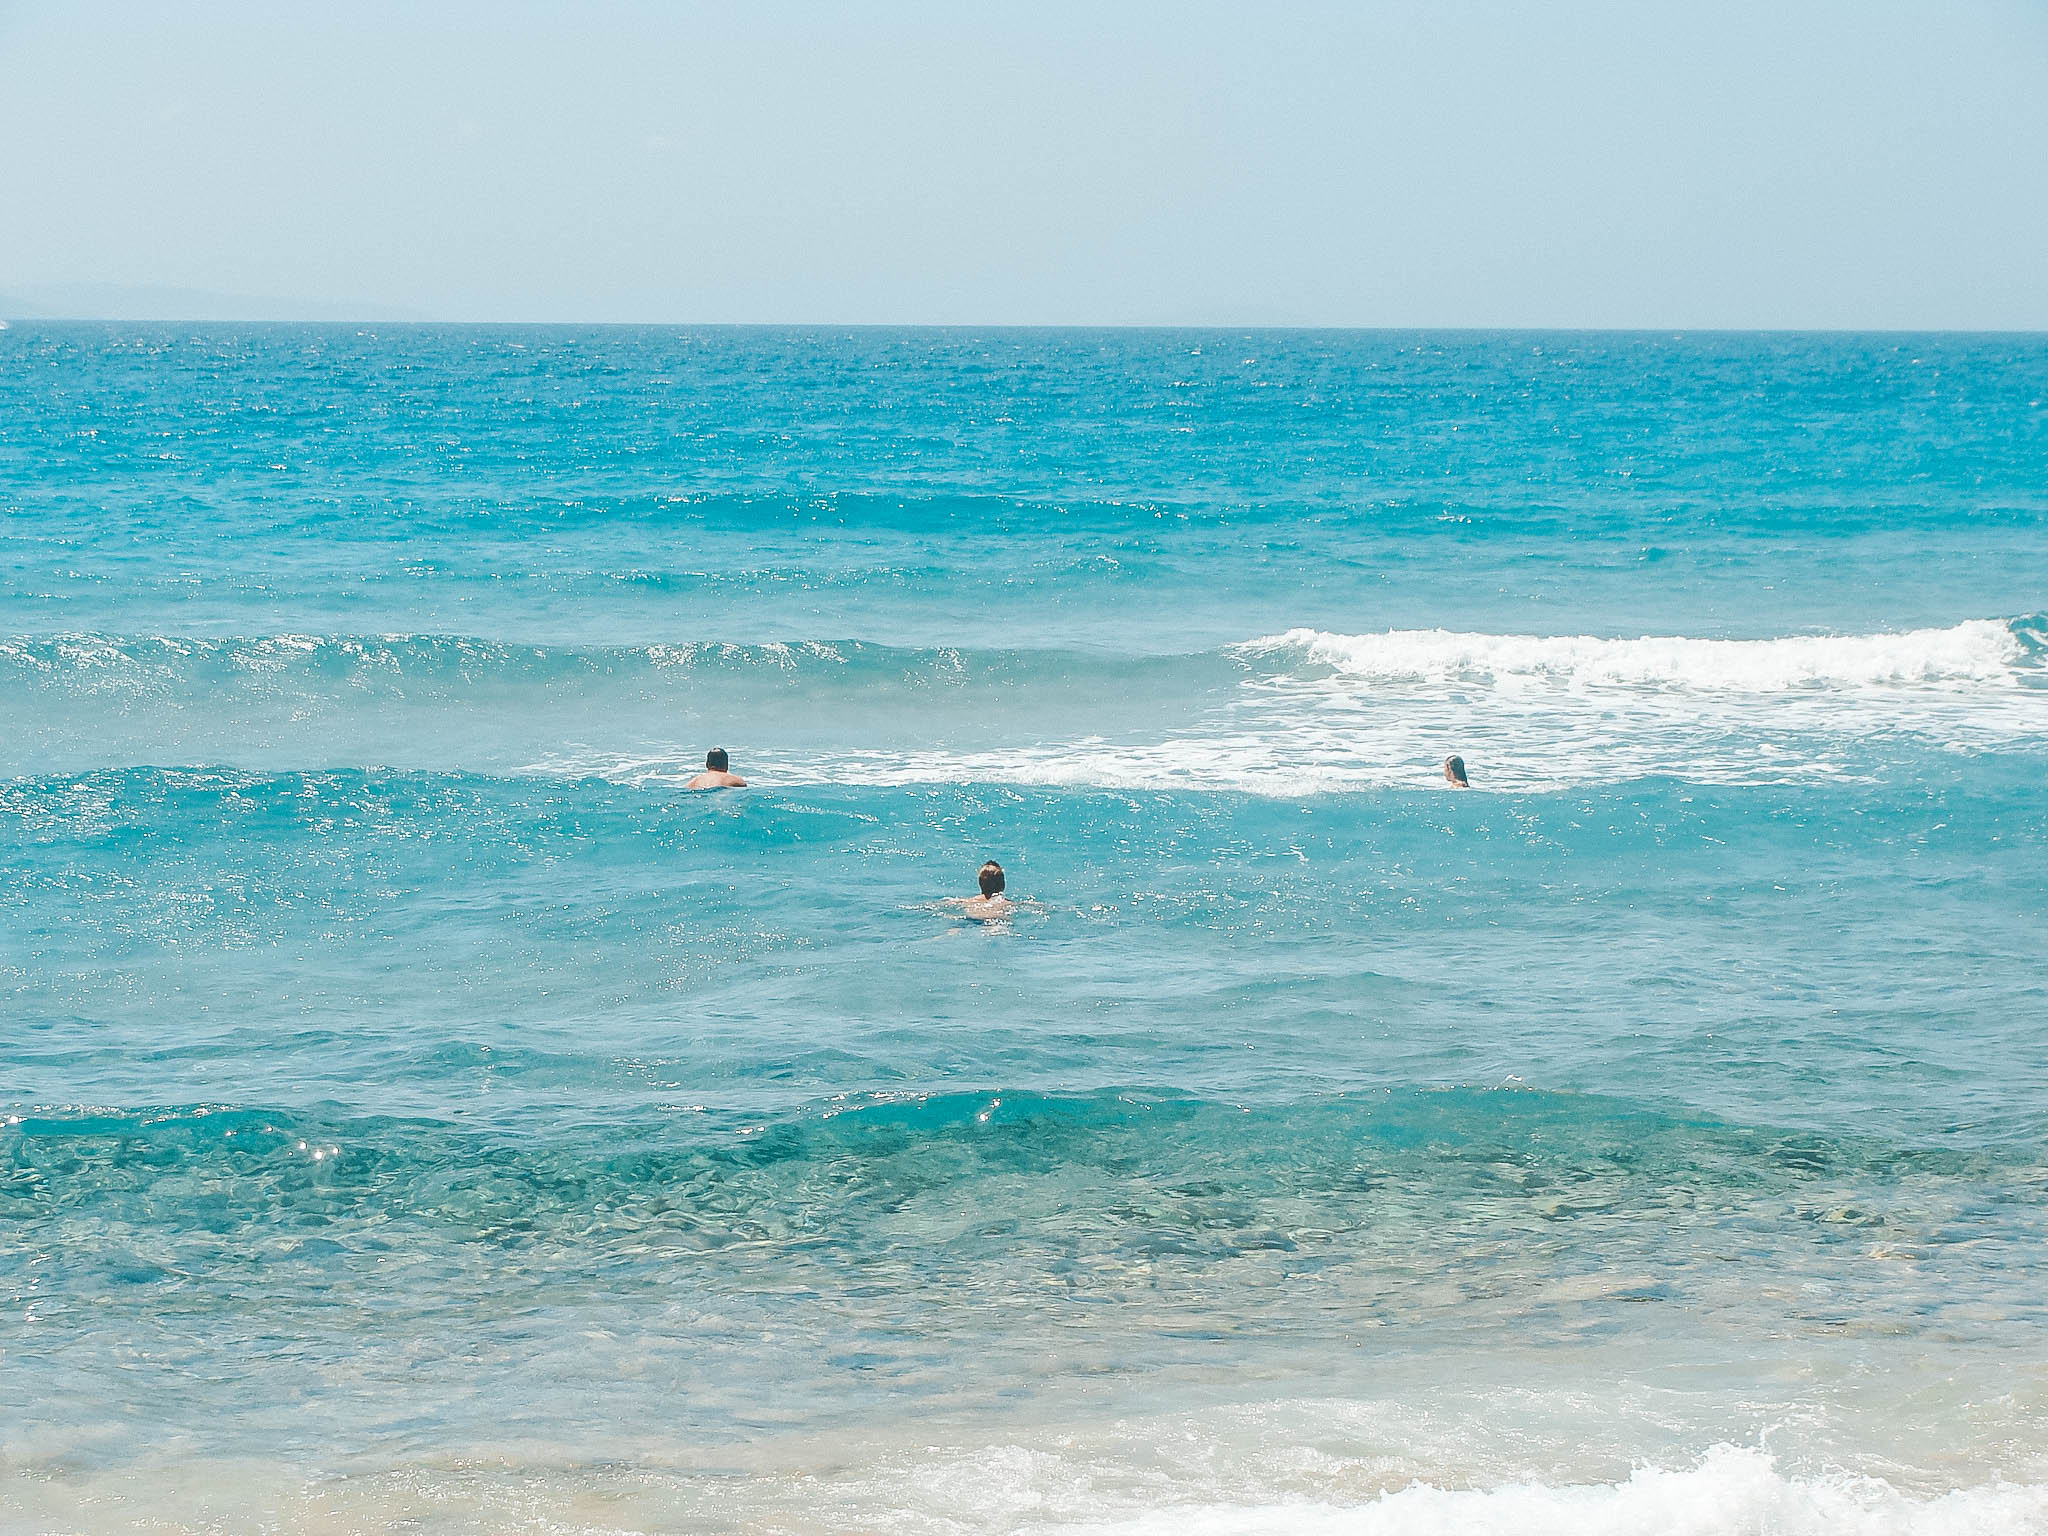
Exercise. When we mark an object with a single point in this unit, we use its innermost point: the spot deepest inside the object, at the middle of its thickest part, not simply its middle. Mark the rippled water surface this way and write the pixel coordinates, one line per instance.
(420, 1111)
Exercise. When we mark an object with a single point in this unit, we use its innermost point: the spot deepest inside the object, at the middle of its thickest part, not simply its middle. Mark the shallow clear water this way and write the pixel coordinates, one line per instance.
(422, 1111)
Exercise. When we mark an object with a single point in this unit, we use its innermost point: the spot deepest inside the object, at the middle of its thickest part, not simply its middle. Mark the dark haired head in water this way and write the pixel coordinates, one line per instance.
(716, 774)
(1454, 770)
(991, 906)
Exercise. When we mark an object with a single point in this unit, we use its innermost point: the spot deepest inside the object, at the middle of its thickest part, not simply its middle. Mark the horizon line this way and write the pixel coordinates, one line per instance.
(10, 320)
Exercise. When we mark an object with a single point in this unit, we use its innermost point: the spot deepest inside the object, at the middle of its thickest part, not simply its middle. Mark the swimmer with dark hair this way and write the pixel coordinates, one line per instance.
(991, 905)
(1454, 770)
(716, 774)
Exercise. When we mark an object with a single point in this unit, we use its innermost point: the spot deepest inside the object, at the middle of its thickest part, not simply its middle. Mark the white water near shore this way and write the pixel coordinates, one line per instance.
(1011, 1490)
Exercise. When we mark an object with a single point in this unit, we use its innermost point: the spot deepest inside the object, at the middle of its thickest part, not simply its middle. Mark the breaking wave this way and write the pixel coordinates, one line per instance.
(1976, 653)
(1740, 1492)
(1015, 1490)
(1299, 712)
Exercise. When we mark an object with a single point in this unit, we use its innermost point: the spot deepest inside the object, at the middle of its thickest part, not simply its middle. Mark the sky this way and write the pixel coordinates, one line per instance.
(1563, 163)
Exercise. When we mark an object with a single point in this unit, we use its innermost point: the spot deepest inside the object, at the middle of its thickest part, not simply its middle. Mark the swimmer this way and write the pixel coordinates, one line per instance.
(991, 906)
(715, 775)
(1454, 770)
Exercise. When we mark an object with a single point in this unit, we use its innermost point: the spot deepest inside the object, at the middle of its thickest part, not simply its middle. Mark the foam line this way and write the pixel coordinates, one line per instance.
(1975, 653)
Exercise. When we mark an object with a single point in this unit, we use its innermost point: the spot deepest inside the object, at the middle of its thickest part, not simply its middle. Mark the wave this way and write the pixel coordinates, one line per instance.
(1308, 712)
(104, 660)
(1295, 713)
(1734, 1490)
(687, 1163)
(1975, 653)
(2003, 651)
(211, 670)
(1998, 653)
(1166, 1488)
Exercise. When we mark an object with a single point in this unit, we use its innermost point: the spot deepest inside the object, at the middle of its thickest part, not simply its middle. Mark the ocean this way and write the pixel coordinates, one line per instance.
(418, 1111)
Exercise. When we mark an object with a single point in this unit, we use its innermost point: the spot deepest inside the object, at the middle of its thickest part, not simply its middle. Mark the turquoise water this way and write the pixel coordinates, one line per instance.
(422, 1112)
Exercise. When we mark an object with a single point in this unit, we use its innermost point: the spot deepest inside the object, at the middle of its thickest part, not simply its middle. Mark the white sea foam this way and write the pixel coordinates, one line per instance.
(1732, 1492)
(1317, 713)
(999, 1491)
(1974, 654)
(1301, 712)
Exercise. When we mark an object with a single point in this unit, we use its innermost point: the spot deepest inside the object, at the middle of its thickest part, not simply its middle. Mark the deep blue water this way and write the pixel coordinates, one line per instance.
(421, 1110)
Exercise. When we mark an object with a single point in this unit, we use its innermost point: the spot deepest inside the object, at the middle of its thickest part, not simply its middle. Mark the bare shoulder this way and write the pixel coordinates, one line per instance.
(711, 779)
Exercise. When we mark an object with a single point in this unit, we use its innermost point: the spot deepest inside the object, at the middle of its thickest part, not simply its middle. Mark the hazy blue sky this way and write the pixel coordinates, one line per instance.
(1554, 163)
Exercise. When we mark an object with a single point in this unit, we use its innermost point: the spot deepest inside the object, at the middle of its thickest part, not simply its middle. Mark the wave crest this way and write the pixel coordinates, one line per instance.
(1734, 1490)
(1975, 652)
(1299, 712)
